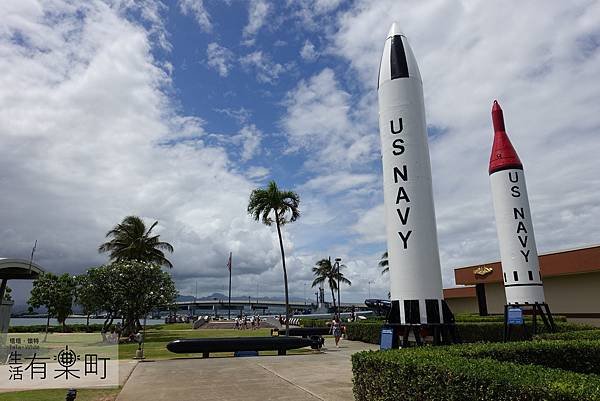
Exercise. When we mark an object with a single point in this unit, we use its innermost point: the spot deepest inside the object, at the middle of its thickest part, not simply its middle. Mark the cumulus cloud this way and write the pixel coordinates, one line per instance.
(266, 70)
(249, 137)
(89, 135)
(308, 51)
(320, 118)
(314, 14)
(258, 11)
(339, 182)
(196, 9)
(219, 58)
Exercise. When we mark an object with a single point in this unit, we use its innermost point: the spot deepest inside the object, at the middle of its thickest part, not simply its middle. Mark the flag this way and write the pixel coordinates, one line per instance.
(31, 259)
(229, 262)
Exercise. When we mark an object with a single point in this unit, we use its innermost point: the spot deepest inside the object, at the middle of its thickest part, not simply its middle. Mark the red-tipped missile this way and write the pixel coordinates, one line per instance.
(503, 154)
(518, 252)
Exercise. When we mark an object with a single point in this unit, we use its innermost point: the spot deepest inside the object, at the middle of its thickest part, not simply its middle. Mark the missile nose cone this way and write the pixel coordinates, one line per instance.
(398, 60)
(497, 117)
(394, 30)
(503, 155)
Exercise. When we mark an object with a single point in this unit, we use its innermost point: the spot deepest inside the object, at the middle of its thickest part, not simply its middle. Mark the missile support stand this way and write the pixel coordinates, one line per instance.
(541, 309)
(441, 333)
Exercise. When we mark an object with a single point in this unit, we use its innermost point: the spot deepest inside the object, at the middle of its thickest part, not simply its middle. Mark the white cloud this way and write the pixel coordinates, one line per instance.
(266, 70)
(339, 182)
(219, 58)
(308, 51)
(258, 11)
(257, 173)
(250, 138)
(89, 135)
(196, 9)
(320, 118)
(241, 115)
(314, 14)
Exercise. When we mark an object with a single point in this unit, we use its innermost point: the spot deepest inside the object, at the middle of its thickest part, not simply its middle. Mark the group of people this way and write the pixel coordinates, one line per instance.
(114, 335)
(242, 322)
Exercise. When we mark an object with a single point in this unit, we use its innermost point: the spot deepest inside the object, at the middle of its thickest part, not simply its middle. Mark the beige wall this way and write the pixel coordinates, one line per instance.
(495, 297)
(463, 305)
(576, 293)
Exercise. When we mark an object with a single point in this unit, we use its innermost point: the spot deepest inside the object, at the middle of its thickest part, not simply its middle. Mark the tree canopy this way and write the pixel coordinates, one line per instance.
(131, 240)
(128, 288)
(325, 272)
(55, 293)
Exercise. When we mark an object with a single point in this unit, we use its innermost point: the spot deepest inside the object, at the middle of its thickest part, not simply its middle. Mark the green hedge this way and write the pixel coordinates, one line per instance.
(70, 328)
(469, 317)
(468, 332)
(314, 322)
(571, 335)
(480, 372)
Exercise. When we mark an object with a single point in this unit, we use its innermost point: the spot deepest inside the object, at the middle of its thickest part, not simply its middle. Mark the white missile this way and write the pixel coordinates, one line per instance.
(413, 254)
(518, 253)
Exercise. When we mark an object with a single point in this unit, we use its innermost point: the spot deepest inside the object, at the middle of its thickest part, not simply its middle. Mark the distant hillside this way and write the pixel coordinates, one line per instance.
(219, 296)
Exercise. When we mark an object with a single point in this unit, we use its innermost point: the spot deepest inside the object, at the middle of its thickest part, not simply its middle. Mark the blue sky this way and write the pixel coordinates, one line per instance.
(176, 110)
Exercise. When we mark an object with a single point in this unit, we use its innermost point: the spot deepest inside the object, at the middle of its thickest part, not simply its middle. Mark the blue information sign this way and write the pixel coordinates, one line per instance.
(387, 339)
(515, 316)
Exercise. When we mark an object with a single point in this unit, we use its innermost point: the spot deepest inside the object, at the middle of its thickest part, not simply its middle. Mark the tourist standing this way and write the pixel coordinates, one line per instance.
(336, 330)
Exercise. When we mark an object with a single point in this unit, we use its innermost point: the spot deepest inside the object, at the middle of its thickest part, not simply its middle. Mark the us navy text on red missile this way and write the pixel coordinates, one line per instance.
(400, 173)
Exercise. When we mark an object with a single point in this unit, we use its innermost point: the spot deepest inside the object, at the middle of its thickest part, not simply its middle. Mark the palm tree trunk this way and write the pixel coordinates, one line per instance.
(333, 297)
(285, 279)
(47, 325)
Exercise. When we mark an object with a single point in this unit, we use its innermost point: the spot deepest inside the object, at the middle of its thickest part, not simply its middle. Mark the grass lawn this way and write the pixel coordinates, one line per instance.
(59, 394)
(158, 336)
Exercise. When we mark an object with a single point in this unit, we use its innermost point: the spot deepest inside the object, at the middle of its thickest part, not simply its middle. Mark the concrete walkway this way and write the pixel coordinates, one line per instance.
(315, 376)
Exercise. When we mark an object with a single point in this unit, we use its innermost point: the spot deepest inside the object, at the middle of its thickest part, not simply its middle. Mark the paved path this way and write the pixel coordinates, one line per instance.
(316, 376)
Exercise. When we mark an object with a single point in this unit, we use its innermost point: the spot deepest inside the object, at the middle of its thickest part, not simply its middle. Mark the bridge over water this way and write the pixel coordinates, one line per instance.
(218, 306)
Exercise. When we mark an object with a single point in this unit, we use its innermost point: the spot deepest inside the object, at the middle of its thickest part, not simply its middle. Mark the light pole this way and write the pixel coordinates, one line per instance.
(337, 262)
(304, 293)
(370, 282)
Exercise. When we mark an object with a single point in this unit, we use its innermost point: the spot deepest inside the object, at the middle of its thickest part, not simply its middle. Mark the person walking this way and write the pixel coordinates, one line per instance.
(336, 330)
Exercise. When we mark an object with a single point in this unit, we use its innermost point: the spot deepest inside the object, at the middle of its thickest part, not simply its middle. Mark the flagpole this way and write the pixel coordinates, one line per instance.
(229, 315)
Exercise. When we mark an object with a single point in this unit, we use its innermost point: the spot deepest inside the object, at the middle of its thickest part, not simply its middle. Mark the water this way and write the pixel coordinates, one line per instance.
(32, 321)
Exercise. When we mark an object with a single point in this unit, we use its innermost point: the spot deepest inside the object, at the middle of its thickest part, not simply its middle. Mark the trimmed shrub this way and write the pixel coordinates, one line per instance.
(314, 322)
(70, 328)
(576, 356)
(473, 318)
(571, 335)
(468, 332)
(365, 332)
(480, 372)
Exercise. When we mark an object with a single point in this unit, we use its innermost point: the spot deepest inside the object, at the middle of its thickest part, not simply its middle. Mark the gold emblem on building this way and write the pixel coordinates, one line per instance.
(482, 271)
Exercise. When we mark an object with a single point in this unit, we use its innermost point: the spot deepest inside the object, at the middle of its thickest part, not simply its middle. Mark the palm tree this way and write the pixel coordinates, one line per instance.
(273, 205)
(324, 271)
(131, 240)
(384, 263)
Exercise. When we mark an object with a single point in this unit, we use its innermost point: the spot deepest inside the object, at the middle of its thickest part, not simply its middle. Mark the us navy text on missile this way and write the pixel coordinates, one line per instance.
(398, 68)
(518, 252)
(413, 254)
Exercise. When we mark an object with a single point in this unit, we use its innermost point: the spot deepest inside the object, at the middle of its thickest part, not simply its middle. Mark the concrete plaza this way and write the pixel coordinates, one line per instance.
(314, 376)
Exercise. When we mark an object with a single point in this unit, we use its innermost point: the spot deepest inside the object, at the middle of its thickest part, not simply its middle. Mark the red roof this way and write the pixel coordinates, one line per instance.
(503, 154)
(566, 262)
